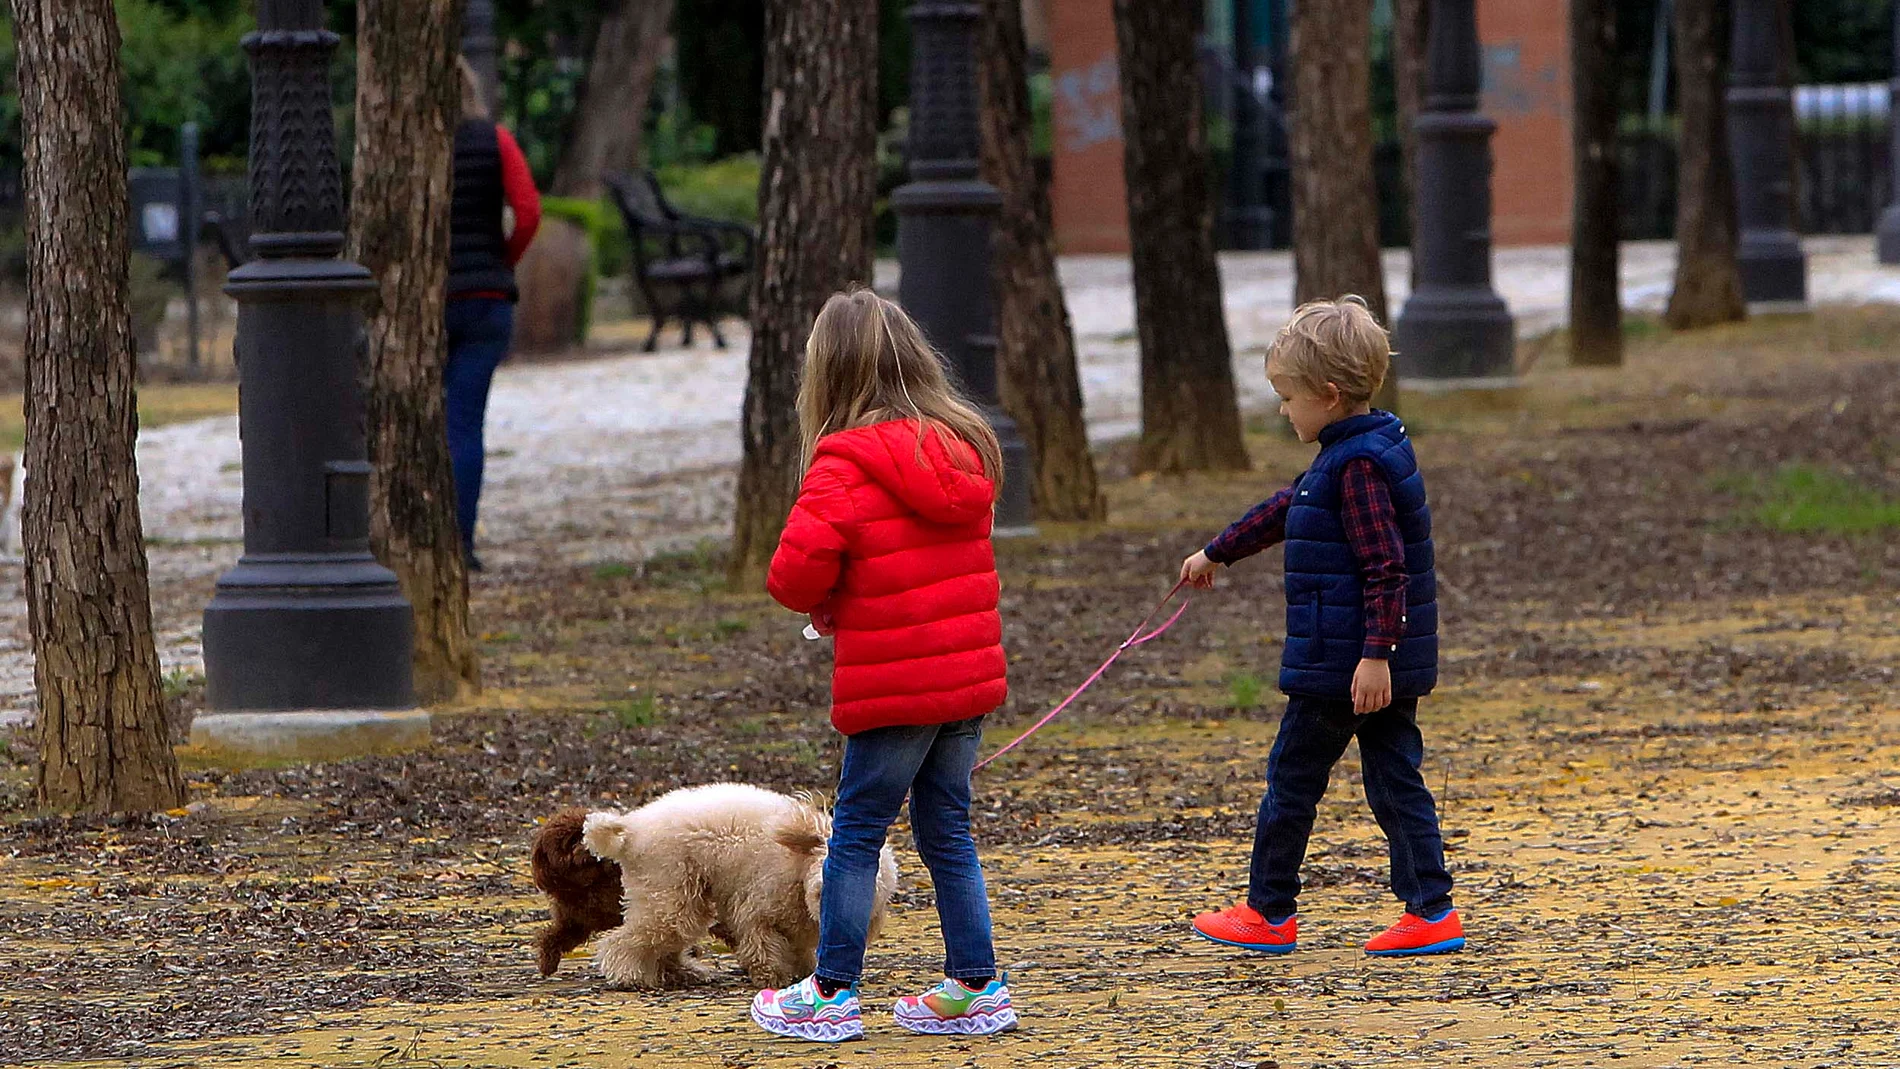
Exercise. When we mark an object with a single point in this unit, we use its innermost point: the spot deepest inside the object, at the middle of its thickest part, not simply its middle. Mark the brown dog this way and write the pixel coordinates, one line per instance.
(583, 891)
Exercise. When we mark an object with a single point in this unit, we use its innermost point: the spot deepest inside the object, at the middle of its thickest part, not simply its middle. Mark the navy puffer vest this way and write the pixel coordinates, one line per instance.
(1325, 604)
(478, 250)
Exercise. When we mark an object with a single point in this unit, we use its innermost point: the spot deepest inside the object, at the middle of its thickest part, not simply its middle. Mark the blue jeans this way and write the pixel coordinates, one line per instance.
(932, 764)
(479, 330)
(1313, 736)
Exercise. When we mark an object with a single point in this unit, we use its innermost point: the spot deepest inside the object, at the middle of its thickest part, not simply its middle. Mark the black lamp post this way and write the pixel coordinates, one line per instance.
(1888, 232)
(307, 641)
(944, 215)
(1455, 330)
(1773, 267)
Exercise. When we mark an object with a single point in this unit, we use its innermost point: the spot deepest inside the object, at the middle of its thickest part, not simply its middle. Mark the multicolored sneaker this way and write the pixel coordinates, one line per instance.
(1414, 935)
(951, 1008)
(801, 1012)
(1243, 926)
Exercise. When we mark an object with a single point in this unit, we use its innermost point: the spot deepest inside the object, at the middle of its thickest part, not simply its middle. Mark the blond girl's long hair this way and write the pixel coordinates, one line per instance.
(867, 362)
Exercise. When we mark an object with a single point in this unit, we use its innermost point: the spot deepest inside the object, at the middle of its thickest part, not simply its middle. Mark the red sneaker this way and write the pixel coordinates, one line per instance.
(1243, 926)
(1416, 935)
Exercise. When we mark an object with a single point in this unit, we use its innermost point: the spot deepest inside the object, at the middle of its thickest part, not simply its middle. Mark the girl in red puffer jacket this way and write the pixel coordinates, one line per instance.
(888, 549)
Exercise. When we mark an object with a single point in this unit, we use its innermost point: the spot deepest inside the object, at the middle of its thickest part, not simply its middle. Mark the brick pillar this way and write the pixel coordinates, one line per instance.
(1527, 92)
(1089, 198)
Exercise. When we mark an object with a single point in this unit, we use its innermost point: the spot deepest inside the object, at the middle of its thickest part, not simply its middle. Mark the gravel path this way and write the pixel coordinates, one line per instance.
(623, 456)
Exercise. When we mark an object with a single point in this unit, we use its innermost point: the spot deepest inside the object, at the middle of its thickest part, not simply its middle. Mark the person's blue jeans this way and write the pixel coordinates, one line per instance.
(479, 330)
(1313, 736)
(932, 764)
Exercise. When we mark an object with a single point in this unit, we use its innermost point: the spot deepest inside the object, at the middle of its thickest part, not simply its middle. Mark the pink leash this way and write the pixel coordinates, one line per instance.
(1133, 640)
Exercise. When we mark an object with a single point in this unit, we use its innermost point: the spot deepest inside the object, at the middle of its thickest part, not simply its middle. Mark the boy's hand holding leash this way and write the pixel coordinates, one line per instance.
(1198, 572)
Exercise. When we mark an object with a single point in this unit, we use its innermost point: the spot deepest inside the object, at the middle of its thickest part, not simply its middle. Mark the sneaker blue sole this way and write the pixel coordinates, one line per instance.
(1259, 948)
(1444, 947)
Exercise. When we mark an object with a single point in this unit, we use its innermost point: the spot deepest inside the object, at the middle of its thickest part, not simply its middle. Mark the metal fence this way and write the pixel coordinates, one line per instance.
(1842, 174)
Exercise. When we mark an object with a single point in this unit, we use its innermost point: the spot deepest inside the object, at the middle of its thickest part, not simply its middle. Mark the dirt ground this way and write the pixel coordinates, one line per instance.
(1666, 750)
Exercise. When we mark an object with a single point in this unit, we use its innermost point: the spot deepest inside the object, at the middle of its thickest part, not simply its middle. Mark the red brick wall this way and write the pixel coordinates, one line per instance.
(1527, 91)
(1090, 201)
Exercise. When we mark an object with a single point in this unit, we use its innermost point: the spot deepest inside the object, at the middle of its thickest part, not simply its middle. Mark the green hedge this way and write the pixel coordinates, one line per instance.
(723, 189)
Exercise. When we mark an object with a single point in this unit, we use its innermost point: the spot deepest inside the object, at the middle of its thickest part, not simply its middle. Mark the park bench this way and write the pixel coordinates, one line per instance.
(681, 262)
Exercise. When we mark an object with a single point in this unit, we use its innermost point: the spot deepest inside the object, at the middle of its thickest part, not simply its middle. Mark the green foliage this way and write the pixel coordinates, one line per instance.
(613, 570)
(724, 189)
(179, 682)
(1042, 124)
(1807, 499)
(1244, 690)
(183, 67)
(637, 712)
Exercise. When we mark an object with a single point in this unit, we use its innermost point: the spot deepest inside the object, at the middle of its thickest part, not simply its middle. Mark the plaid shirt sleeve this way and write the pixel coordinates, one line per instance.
(1372, 531)
(1264, 525)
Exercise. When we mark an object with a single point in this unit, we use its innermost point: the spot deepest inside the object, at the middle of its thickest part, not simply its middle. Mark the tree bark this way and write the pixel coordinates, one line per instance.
(1335, 202)
(1708, 284)
(1596, 309)
(817, 190)
(609, 121)
(1411, 19)
(610, 115)
(1040, 386)
(1190, 418)
(407, 106)
(101, 726)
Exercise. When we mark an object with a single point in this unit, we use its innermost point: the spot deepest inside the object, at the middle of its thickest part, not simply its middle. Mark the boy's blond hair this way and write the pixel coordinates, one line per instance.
(1337, 342)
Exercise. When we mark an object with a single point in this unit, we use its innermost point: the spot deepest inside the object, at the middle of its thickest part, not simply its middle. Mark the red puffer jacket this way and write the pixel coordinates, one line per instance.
(894, 546)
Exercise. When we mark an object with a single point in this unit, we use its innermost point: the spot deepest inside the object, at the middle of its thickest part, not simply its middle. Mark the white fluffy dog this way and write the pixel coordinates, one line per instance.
(749, 860)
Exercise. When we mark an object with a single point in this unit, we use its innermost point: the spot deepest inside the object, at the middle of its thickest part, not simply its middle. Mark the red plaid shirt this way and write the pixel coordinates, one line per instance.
(1372, 531)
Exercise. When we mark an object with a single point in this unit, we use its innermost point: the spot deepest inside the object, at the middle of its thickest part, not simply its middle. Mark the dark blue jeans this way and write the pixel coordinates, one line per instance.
(931, 764)
(1313, 736)
(479, 330)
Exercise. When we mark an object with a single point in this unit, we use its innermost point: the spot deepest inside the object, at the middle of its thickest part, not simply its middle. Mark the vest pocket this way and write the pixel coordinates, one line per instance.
(1319, 633)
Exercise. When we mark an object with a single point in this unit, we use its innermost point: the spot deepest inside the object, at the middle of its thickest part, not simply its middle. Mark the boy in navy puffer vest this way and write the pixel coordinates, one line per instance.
(1361, 633)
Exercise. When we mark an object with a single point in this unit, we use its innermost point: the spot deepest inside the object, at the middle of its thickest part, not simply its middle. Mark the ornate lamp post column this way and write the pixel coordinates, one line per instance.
(1773, 267)
(1888, 232)
(478, 46)
(307, 641)
(944, 215)
(1455, 330)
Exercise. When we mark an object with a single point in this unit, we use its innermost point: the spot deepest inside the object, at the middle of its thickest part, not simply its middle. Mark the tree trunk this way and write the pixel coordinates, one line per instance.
(1708, 285)
(610, 115)
(1411, 19)
(609, 119)
(1596, 309)
(1040, 386)
(101, 726)
(1335, 202)
(1190, 418)
(817, 189)
(407, 106)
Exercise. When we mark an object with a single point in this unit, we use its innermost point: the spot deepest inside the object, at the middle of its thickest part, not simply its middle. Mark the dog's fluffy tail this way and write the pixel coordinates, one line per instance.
(805, 828)
(608, 836)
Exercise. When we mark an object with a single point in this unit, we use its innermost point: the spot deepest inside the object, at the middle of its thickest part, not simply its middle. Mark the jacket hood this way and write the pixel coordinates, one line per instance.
(921, 474)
